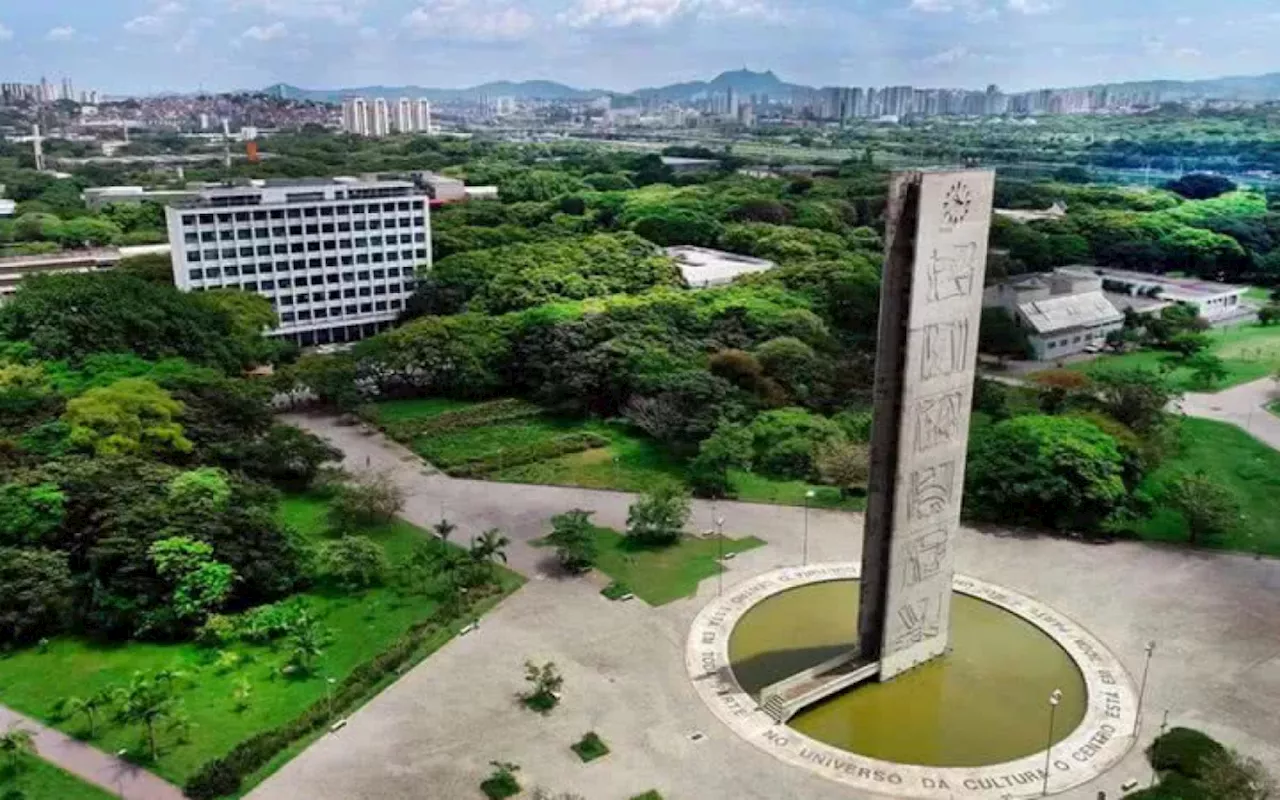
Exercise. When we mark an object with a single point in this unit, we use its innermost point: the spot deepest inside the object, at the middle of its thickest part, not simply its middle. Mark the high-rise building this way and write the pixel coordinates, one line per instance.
(380, 118)
(355, 115)
(404, 116)
(337, 259)
(422, 115)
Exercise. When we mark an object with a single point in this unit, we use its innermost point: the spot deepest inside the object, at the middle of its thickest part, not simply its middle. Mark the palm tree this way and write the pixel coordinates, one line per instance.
(90, 706)
(17, 744)
(307, 639)
(492, 545)
(444, 528)
(147, 701)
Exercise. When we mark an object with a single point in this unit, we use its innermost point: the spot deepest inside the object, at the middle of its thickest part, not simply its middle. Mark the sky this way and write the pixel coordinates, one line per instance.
(147, 46)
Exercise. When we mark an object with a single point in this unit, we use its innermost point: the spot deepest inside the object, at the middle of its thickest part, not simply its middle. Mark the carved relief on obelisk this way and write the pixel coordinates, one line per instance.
(930, 308)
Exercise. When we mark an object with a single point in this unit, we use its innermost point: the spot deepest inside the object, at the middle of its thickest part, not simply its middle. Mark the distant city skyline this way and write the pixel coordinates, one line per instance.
(149, 46)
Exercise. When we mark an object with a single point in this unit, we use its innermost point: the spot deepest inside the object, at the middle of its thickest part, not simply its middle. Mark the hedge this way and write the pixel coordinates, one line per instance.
(1172, 787)
(519, 456)
(472, 417)
(225, 774)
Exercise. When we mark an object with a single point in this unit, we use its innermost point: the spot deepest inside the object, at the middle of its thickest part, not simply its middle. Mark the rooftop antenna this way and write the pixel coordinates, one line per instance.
(37, 146)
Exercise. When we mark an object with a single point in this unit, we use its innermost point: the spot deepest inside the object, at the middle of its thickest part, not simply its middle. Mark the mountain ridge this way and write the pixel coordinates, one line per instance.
(745, 82)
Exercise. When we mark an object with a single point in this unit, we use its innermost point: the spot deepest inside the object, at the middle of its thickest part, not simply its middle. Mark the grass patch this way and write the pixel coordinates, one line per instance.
(590, 747)
(616, 590)
(1248, 353)
(37, 779)
(502, 783)
(1257, 294)
(1249, 468)
(630, 462)
(363, 625)
(652, 794)
(1274, 407)
(661, 575)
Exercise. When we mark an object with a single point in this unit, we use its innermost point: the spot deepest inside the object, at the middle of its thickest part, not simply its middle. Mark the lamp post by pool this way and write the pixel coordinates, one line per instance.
(804, 556)
(1054, 699)
(1142, 690)
(719, 521)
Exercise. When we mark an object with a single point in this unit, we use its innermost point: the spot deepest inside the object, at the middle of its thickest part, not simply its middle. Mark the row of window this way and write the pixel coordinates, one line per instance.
(316, 280)
(283, 266)
(227, 217)
(303, 263)
(213, 254)
(353, 309)
(332, 294)
(280, 231)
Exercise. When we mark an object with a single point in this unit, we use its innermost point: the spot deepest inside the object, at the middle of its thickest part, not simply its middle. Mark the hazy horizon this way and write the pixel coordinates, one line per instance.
(152, 46)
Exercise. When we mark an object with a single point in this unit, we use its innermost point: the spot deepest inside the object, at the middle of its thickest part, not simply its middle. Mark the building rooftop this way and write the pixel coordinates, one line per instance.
(1187, 288)
(1069, 311)
(702, 266)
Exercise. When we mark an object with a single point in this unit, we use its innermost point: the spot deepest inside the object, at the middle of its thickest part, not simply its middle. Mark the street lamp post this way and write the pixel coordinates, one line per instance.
(804, 556)
(328, 690)
(1054, 699)
(720, 543)
(1146, 667)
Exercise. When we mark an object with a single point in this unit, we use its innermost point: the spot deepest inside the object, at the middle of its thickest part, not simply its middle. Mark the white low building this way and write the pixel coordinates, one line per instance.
(1063, 313)
(703, 267)
(1215, 302)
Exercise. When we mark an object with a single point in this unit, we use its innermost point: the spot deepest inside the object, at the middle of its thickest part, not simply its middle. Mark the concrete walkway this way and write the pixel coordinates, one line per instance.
(1243, 406)
(112, 774)
(431, 734)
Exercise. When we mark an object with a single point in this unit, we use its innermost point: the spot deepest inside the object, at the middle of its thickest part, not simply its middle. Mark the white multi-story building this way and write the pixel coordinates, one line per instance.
(380, 118)
(336, 258)
(422, 116)
(376, 117)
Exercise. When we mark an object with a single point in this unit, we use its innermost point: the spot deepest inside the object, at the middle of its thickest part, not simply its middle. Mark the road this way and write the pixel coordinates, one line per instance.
(1244, 406)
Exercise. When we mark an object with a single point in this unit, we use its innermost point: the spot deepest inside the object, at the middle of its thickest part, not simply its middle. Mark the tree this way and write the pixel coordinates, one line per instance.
(36, 592)
(148, 702)
(28, 513)
(91, 706)
(786, 438)
(843, 464)
(1208, 507)
(1269, 314)
(659, 516)
(545, 683)
(1059, 472)
(1187, 344)
(288, 457)
(1058, 386)
(729, 447)
(489, 547)
(132, 415)
(1207, 369)
(573, 537)
(1135, 397)
(17, 745)
(153, 268)
(1231, 776)
(201, 491)
(368, 500)
(1200, 186)
(199, 583)
(354, 562)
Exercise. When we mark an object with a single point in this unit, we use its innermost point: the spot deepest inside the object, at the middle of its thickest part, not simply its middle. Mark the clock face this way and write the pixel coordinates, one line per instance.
(957, 203)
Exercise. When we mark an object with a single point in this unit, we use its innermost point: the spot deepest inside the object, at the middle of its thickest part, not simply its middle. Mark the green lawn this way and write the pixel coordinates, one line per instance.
(362, 625)
(659, 576)
(1249, 352)
(632, 462)
(39, 780)
(1274, 407)
(1249, 468)
(1257, 294)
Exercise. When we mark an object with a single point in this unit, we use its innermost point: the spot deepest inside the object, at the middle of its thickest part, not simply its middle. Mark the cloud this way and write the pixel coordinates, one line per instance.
(1032, 6)
(155, 22)
(5, 33)
(191, 36)
(64, 33)
(269, 33)
(482, 21)
(657, 13)
(1187, 52)
(950, 56)
(935, 6)
(339, 12)
(975, 10)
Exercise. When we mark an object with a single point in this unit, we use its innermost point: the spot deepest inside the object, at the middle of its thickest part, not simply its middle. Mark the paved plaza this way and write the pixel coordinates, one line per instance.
(1215, 618)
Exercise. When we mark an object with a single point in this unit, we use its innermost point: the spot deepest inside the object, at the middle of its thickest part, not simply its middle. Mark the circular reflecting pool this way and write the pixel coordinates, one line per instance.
(984, 702)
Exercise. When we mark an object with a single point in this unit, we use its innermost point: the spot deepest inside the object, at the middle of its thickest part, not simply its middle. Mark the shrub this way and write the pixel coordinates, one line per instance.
(784, 441)
(616, 590)
(545, 684)
(1184, 751)
(502, 783)
(590, 747)
(354, 562)
(658, 517)
(369, 499)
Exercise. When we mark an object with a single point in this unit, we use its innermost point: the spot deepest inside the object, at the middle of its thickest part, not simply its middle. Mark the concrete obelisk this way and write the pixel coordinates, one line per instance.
(930, 307)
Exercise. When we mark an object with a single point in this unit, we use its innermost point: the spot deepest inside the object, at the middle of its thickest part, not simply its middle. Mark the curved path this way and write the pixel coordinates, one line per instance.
(1244, 406)
(112, 774)
(1215, 618)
